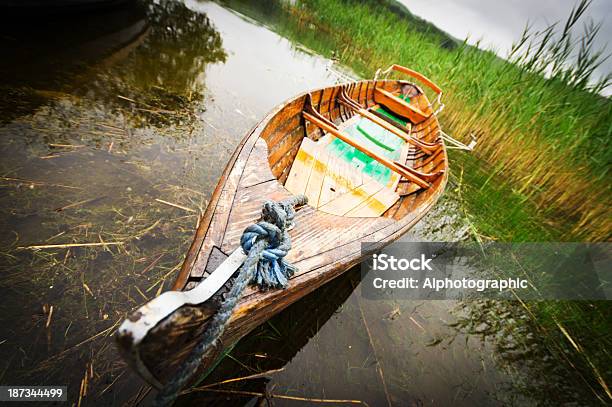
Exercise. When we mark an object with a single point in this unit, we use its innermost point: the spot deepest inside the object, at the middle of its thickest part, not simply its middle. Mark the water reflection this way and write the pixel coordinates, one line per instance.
(46, 51)
(149, 60)
(163, 82)
(46, 56)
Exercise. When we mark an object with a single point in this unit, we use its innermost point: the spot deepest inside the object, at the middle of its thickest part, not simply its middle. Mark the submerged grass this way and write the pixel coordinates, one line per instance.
(63, 279)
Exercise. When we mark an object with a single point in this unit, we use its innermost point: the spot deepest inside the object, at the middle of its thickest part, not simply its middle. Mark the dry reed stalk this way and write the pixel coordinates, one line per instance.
(237, 379)
(63, 246)
(175, 205)
(285, 397)
(49, 317)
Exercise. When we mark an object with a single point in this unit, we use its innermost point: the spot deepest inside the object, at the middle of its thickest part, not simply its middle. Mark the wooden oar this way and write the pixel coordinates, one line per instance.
(426, 147)
(427, 177)
(392, 165)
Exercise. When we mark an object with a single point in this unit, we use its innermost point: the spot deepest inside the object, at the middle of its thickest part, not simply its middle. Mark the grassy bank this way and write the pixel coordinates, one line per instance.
(550, 141)
(538, 174)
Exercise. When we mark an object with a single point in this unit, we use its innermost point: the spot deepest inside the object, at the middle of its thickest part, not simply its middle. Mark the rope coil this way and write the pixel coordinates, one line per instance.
(267, 242)
(272, 270)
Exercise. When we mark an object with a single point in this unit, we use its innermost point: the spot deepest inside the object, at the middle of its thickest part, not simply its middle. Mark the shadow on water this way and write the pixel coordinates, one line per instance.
(273, 345)
(45, 55)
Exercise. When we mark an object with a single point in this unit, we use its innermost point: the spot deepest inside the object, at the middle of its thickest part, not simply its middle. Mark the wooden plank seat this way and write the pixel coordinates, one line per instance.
(410, 174)
(331, 128)
(399, 106)
(416, 114)
(387, 123)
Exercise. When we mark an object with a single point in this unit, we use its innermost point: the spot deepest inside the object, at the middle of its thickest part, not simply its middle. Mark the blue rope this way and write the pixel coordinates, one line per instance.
(266, 243)
(272, 270)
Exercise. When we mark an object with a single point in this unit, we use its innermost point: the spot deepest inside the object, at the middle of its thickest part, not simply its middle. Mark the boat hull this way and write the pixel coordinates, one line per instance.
(324, 245)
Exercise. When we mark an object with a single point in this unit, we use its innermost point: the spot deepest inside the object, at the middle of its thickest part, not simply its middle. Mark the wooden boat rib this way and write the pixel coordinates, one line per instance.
(324, 244)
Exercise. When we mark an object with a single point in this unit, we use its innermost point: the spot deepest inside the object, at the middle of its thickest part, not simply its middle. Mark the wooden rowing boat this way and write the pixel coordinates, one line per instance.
(371, 163)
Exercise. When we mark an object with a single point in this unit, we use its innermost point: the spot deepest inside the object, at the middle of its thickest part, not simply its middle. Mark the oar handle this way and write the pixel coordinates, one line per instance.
(416, 75)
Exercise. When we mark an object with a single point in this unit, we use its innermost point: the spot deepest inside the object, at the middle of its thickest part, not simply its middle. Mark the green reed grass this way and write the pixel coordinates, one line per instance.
(547, 135)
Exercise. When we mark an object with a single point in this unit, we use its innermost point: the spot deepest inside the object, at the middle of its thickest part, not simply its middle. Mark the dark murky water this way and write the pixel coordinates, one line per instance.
(114, 129)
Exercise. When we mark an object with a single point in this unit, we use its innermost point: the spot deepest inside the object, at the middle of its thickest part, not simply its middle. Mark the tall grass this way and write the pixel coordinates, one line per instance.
(540, 121)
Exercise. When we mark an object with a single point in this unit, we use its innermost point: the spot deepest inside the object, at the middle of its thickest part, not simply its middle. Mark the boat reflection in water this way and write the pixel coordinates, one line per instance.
(50, 53)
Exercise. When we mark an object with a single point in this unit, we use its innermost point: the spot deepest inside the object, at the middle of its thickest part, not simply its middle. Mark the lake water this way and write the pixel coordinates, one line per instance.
(113, 132)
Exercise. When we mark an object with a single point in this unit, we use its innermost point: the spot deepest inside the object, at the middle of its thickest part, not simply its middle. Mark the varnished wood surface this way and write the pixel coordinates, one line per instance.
(418, 76)
(399, 106)
(324, 245)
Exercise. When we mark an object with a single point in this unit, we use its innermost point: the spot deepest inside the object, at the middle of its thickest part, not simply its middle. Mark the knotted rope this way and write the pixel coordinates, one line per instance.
(266, 243)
